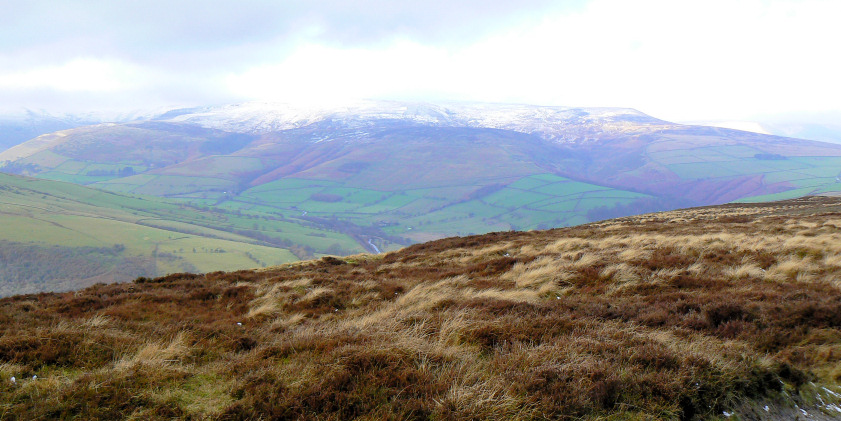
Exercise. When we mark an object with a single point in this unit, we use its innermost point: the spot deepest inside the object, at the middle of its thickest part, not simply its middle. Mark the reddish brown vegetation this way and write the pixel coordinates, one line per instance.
(670, 315)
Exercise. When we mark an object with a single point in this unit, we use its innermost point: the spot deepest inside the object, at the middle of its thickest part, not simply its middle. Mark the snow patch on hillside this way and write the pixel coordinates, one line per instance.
(562, 123)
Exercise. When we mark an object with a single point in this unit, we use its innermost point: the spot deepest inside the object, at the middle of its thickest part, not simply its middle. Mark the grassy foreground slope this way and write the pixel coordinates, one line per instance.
(60, 236)
(684, 314)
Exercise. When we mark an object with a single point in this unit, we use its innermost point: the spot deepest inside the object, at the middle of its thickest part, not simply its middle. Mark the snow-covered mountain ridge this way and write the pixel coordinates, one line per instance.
(555, 123)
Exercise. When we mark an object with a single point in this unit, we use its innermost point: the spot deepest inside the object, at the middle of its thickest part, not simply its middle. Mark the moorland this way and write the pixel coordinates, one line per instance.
(698, 313)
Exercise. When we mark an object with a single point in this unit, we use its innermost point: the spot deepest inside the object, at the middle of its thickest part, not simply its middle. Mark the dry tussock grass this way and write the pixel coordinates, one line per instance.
(673, 315)
(7, 370)
(155, 355)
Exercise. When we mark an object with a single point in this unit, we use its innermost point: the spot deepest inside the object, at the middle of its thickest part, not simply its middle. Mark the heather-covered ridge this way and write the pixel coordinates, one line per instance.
(685, 314)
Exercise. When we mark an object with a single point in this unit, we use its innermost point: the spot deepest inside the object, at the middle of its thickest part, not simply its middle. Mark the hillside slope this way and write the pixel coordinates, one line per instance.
(426, 171)
(19, 126)
(60, 236)
(685, 314)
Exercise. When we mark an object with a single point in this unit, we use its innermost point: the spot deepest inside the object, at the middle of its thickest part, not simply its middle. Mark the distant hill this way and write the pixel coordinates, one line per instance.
(15, 130)
(22, 125)
(820, 128)
(703, 313)
(59, 236)
(424, 171)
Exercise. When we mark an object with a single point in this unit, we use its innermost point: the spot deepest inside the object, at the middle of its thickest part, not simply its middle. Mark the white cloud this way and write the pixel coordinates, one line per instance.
(674, 59)
(318, 73)
(77, 75)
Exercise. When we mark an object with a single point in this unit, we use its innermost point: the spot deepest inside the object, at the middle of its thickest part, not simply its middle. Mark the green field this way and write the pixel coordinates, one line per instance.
(153, 236)
(394, 183)
(537, 201)
(689, 158)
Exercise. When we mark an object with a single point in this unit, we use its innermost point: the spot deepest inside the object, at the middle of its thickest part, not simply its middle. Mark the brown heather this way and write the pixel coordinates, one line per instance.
(677, 315)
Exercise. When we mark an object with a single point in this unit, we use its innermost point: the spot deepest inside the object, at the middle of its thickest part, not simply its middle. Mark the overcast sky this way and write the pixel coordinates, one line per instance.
(674, 59)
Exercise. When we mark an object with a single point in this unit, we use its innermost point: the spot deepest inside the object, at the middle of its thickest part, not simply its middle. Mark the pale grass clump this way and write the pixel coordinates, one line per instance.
(266, 302)
(96, 321)
(270, 297)
(665, 274)
(832, 260)
(586, 260)
(805, 277)
(415, 339)
(67, 326)
(574, 352)
(7, 370)
(515, 295)
(551, 288)
(634, 253)
(494, 250)
(832, 223)
(455, 255)
(428, 295)
(390, 328)
(611, 244)
(389, 314)
(643, 246)
(608, 226)
(744, 270)
(485, 399)
(297, 283)
(727, 355)
(620, 273)
(536, 273)
(568, 244)
(472, 258)
(790, 268)
(530, 250)
(287, 322)
(816, 244)
(800, 225)
(314, 294)
(156, 354)
(263, 307)
(754, 244)
(43, 386)
(452, 328)
(425, 296)
(719, 241)
(363, 299)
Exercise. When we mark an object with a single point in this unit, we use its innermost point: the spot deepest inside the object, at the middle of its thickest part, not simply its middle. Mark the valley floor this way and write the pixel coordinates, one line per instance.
(697, 313)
